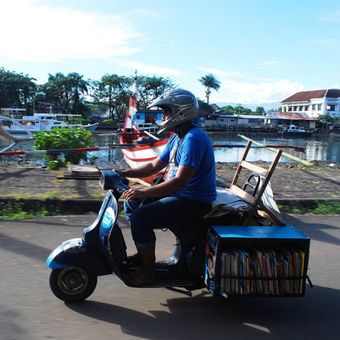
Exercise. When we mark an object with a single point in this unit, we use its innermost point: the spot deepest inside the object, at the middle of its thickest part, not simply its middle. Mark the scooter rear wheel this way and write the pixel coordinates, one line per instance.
(72, 284)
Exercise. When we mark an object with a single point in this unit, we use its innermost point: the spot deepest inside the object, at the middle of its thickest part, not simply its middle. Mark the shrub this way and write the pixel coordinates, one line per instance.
(63, 138)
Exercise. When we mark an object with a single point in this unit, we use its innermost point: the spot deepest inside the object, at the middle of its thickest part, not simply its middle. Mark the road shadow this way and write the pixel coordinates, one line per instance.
(81, 221)
(21, 247)
(323, 178)
(10, 328)
(202, 317)
(316, 231)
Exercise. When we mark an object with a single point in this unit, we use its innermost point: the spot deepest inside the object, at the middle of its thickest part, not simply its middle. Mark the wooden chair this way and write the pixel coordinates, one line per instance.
(257, 183)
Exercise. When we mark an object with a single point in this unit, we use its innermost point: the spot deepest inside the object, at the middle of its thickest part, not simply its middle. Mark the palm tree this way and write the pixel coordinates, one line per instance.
(54, 91)
(210, 82)
(66, 91)
(77, 87)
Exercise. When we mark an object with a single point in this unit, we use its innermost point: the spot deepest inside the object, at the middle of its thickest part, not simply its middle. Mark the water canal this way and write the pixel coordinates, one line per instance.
(322, 149)
(326, 148)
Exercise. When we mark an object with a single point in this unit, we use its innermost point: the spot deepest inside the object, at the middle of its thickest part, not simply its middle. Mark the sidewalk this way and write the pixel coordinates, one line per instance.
(297, 184)
(290, 185)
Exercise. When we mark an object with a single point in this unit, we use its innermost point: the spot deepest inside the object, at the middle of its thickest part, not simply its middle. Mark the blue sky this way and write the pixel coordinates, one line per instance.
(262, 51)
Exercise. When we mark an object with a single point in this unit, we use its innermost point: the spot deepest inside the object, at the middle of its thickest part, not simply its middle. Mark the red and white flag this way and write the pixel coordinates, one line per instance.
(132, 107)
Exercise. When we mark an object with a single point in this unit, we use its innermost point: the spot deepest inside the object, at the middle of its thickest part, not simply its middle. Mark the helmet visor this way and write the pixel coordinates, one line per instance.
(167, 112)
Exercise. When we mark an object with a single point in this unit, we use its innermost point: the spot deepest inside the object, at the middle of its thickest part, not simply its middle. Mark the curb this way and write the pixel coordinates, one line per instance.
(72, 206)
(68, 206)
(306, 202)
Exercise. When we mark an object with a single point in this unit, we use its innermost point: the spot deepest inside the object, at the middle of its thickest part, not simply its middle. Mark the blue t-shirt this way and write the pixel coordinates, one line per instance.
(194, 150)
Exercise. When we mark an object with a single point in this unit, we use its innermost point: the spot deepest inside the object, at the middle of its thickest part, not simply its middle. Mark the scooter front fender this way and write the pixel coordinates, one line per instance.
(74, 252)
(59, 258)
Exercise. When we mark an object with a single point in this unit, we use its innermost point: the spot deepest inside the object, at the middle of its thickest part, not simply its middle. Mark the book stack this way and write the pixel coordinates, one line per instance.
(262, 271)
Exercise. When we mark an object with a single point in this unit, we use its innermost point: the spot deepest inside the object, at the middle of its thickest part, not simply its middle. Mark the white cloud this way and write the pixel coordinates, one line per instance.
(220, 73)
(147, 14)
(326, 42)
(38, 33)
(255, 92)
(273, 63)
(331, 16)
(269, 63)
(149, 69)
(237, 87)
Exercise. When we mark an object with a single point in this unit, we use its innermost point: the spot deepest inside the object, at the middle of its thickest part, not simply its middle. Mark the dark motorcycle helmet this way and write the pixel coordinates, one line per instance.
(182, 105)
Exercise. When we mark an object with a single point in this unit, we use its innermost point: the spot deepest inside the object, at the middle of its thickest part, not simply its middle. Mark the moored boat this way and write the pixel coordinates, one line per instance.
(7, 140)
(293, 130)
(43, 122)
(149, 127)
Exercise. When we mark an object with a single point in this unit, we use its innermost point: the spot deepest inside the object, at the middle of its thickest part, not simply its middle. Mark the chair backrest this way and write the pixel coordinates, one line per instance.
(254, 198)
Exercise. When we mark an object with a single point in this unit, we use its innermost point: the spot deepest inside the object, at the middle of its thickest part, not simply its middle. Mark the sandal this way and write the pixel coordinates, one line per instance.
(140, 278)
(134, 259)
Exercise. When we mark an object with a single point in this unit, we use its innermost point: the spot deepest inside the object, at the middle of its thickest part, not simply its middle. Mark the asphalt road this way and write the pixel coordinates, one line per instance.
(29, 310)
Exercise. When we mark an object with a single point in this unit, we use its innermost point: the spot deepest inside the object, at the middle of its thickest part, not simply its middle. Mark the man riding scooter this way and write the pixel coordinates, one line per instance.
(189, 187)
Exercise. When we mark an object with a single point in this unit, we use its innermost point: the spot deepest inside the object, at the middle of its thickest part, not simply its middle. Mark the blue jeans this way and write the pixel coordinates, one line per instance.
(166, 212)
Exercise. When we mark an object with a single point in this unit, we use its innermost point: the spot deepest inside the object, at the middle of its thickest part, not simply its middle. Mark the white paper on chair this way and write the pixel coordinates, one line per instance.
(225, 202)
(268, 199)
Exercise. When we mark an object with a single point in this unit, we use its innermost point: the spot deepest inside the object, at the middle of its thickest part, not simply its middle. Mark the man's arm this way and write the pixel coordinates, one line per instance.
(183, 175)
(145, 170)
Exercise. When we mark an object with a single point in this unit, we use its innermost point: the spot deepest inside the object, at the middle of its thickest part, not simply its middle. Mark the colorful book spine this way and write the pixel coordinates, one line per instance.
(269, 272)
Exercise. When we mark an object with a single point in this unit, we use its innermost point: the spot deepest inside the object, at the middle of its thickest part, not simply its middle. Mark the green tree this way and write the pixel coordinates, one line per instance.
(260, 110)
(78, 87)
(121, 103)
(209, 82)
(16, 90)
(55, 92)
(149, 88)
(239, 109)
(228, 108)
(327, 119)
(66, 92)
(112, 90)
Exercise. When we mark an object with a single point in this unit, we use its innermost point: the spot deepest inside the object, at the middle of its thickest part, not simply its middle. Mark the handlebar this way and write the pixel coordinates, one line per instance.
(110, 180)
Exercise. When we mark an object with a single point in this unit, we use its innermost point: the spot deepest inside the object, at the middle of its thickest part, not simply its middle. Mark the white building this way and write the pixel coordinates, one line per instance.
(314, 103)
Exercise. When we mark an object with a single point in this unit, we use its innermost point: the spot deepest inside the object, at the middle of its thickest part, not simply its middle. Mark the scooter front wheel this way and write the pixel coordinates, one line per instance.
(72, 284)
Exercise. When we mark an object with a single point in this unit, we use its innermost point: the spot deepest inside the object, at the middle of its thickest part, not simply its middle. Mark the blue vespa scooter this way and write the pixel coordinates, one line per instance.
(101, 250)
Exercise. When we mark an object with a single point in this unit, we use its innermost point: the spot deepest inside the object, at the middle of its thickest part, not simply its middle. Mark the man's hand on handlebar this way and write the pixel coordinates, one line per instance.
(134, 193)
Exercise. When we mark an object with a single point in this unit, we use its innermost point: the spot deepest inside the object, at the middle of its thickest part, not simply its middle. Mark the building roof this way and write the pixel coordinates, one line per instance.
(306, 96)
(289, 115)
(251, 116)
(216, 108)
